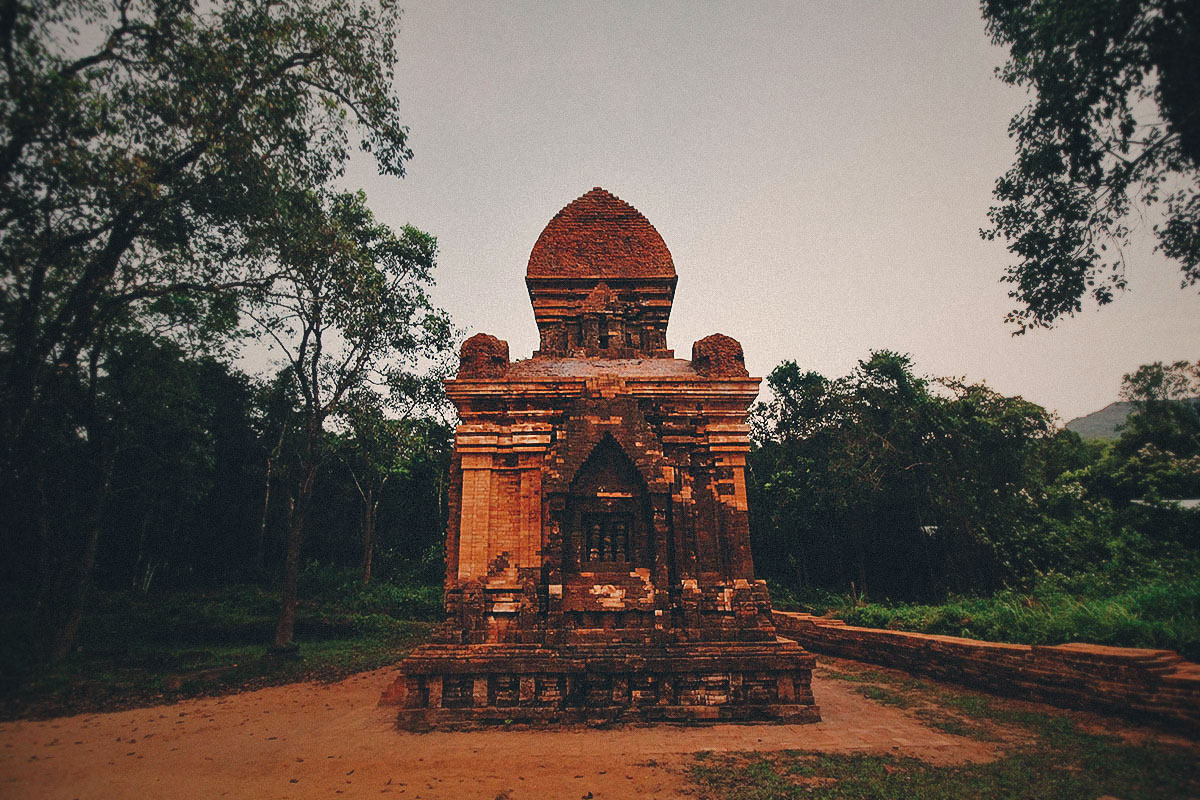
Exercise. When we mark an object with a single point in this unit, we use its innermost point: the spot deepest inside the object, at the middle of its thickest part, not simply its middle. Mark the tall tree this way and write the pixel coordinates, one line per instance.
(1166, 399)
(1113, 131)
(347, 313)
(187, 458)
(1166, 418)
(150, 153)
(903, 485)
(276, 405)
(373, 455)
(146, 146)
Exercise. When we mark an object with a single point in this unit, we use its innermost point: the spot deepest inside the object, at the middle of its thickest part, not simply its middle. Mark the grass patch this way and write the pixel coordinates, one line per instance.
(1157, 613)
(881, 686)
(1051, 757)
(958, 712)
(1084, 767)
(886, 696)
(136, 651)
(955, 725)
(950, 725)
(973, 706)
(865, 676)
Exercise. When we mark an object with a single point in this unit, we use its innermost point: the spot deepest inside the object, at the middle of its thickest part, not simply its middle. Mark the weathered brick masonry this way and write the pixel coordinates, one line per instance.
(598, 559)
(1152, 684)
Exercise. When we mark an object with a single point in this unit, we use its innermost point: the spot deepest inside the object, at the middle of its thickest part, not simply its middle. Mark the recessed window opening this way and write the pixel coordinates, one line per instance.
(608, 522)
(606, 537)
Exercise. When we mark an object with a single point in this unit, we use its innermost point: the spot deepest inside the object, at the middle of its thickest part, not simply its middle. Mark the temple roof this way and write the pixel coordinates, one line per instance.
(600, 236)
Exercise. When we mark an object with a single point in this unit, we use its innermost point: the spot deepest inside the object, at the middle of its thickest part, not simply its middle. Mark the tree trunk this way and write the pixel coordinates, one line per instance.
(370, 507)
(100, 437)
(47, 567)
(803, 552)
(261, 555)
(266, 506)
(860, 557)
(141, 565)
(286, 627)
(80, 575)
(443, 476)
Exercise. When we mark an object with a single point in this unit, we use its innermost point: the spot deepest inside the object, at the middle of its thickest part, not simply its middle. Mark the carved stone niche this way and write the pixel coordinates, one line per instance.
(719, 356)
(483, 356)
(608, 514)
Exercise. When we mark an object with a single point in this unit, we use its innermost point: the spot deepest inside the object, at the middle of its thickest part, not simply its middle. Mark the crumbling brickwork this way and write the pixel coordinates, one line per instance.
(1156, 685)
(598, 562)
(483, 356)
(719, 356)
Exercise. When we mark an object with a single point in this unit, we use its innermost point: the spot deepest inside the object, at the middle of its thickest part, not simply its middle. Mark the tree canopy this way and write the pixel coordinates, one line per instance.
(166, 167)
(908, 487)
(149, 151)
(348, 312)
(899, 483)
(1112, 132)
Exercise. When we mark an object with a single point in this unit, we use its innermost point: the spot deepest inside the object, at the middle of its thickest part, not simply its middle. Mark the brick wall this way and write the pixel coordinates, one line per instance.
(1155, 685)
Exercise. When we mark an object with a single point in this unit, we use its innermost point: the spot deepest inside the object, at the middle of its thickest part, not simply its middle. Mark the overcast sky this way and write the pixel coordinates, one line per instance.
(819, 171)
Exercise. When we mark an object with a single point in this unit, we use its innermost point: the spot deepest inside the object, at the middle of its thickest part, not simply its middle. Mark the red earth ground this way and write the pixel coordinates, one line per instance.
(325, 740)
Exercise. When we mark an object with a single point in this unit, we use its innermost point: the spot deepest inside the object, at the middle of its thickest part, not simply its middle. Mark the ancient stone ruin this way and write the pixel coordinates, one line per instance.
(598, 560)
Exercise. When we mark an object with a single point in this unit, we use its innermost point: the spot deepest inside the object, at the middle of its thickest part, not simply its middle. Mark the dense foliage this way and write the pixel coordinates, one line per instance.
(902, 488)
(194, 506)
(168, 174)
(895, 484)
(1112, 132)
(152, 155)
(168, 189)
(147, 649)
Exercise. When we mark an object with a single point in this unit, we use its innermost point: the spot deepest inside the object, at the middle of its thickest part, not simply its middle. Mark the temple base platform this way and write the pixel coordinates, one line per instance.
(462, 686)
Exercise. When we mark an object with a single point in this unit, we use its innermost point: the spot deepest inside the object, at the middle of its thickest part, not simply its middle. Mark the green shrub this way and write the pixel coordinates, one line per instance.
(1162, 613)
(406, 602)
(332, 590)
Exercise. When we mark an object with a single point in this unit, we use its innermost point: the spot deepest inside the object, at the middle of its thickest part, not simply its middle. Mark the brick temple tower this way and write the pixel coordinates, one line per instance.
(598, 560)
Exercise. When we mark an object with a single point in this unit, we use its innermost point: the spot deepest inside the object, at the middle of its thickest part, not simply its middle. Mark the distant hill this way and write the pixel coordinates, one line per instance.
(1102, 424)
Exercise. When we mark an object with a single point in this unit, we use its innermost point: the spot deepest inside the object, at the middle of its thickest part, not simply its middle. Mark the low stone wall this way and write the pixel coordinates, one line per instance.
(1156, 685)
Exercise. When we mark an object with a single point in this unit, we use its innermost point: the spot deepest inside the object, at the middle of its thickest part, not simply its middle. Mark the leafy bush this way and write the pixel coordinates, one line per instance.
(404, 602)
(340, 589)
(1156, 614)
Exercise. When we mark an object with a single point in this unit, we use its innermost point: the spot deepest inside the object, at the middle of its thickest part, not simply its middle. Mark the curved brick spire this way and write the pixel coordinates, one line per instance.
(599, 235)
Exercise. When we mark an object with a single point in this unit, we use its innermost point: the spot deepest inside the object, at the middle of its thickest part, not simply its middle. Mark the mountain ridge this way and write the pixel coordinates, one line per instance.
(1102, 424)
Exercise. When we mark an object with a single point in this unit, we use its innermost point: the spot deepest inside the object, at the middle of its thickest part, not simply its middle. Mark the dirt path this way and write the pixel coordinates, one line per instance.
(325, 740)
